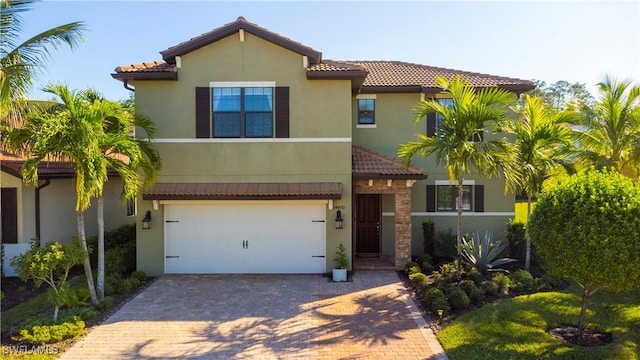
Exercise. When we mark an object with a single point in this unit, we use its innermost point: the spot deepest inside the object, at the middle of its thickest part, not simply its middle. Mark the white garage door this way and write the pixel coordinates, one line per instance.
(245, 237)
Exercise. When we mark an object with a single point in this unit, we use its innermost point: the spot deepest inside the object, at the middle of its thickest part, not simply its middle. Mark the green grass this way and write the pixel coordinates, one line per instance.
(521, 211)
(516, 328)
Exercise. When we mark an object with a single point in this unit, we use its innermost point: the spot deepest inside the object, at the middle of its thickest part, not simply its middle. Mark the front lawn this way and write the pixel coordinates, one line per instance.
(516, 328)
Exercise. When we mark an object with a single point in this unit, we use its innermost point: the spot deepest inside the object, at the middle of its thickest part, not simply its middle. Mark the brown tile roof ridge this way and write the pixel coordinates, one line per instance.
(225, 30)
(368, 163)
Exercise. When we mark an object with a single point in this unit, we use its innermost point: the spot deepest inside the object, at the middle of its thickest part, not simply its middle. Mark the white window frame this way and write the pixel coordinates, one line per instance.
(366, 97)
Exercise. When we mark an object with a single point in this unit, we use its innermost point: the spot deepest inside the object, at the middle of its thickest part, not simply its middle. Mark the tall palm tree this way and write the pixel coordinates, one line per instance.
(609, 132)
(21, 61)
(542, 143)
(473, 113)
(72, 132)
(125, 154)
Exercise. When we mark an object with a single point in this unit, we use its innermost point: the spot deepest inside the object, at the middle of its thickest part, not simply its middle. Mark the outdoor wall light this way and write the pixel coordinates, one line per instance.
(339, 219)
(146, 222)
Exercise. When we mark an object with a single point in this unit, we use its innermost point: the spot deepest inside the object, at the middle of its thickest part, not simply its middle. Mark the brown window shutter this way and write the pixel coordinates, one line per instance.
(282, 111)
(431, 124)
(9, 214)
(203, 112)
(479, 197)
(431, 198)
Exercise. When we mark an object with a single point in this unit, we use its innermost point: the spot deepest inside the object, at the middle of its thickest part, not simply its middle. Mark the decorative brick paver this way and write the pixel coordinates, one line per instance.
(265, 317)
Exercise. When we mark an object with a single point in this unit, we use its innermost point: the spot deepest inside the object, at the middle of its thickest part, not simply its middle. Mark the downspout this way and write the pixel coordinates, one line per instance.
(40, 187)
(126, 86)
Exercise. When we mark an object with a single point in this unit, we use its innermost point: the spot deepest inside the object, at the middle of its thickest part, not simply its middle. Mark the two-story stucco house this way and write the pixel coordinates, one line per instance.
(272, 157)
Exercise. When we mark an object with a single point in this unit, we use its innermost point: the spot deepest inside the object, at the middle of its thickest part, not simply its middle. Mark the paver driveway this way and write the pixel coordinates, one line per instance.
(265, 317)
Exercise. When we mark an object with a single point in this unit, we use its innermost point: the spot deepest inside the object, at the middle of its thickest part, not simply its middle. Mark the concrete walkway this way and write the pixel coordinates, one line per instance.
(265, 317)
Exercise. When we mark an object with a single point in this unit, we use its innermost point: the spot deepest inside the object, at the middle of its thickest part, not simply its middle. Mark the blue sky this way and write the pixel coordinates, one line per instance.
(577, 41)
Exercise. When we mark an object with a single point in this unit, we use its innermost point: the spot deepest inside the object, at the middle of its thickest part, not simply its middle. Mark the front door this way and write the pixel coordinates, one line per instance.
(368, 224)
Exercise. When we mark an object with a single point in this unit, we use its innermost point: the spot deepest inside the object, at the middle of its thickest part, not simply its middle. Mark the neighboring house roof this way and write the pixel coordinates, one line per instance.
(368, 164)
(243, 191)
(46, 169)
(366, 76)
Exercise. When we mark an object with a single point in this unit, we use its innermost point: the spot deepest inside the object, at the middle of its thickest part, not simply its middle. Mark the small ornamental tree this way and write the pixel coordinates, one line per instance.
(51, 265)
(587, 228)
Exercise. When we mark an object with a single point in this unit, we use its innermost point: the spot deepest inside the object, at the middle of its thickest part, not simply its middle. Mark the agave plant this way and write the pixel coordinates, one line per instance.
(483, 252)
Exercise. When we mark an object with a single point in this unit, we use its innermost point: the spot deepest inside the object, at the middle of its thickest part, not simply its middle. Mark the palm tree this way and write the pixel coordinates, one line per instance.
(125, 154)
(472, 114)
(72, 132)
(20, 62)
(609, 132)
(542, 143)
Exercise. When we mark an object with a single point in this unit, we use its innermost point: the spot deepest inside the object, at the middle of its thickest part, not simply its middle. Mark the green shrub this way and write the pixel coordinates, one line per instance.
(435, 299)
(523, 281)
(477, 295)
(550, 282)
(123, 237)
(467, 286)
(503, 282)
(411, 267)
(457, 298)
(418, 279)
(489, 287)
(45, 334)
(428, 234)
(106, 303)
(75, 298)
(119, 260)
(474, 275)
(426, 263)
(85, 313)
(140, 275)
(446, 245)
(446, 274)
(127, 286)
(516, 235)
(112, 284)
(134, 282)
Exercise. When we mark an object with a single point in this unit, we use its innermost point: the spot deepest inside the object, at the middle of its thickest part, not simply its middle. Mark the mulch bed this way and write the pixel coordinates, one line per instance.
(591, 337)
(17, 291)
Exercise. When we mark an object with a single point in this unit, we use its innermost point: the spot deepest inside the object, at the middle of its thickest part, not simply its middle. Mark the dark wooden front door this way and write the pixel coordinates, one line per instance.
(9, 200)
(368, 224)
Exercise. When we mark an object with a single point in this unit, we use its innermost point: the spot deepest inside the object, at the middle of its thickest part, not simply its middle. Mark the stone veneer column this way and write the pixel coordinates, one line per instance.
(403, 227)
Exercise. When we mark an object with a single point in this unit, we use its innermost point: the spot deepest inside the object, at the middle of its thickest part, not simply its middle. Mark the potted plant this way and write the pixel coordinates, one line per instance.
(342, 262)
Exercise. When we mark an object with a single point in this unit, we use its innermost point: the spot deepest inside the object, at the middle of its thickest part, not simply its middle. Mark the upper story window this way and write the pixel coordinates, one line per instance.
(448, 103)
(366, 111)
(447, 197)
(240, 112)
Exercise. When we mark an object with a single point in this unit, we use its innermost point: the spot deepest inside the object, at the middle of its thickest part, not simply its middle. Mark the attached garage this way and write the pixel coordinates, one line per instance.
(240, 237)
(240, 228)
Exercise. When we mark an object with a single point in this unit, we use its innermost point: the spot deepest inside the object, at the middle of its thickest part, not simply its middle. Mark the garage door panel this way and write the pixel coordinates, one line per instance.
(245, 238)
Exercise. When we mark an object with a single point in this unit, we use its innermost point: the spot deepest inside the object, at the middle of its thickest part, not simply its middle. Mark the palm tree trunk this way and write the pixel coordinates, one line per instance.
(527, 256)
(87, 263)
(459, 230)
(100, 282)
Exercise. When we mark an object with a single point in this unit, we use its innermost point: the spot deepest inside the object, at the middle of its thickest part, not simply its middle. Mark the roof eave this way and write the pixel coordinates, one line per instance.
(169, 55)
(130, 77)
(357, 77)
(366, 176)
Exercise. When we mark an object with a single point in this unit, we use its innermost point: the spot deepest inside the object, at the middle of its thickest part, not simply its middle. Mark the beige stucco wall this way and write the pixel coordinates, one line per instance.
(57, 209)
(395, 125)
(58, 220)
(318, 150)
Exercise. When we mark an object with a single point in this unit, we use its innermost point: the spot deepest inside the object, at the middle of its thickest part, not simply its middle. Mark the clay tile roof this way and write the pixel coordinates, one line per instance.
(243, 191)
(368, 164)
(233, 27)
(404, 76)
(153, 66)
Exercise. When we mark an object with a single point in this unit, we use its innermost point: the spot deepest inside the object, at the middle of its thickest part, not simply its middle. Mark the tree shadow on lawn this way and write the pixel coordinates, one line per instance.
(341, 325)
(524, 321)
